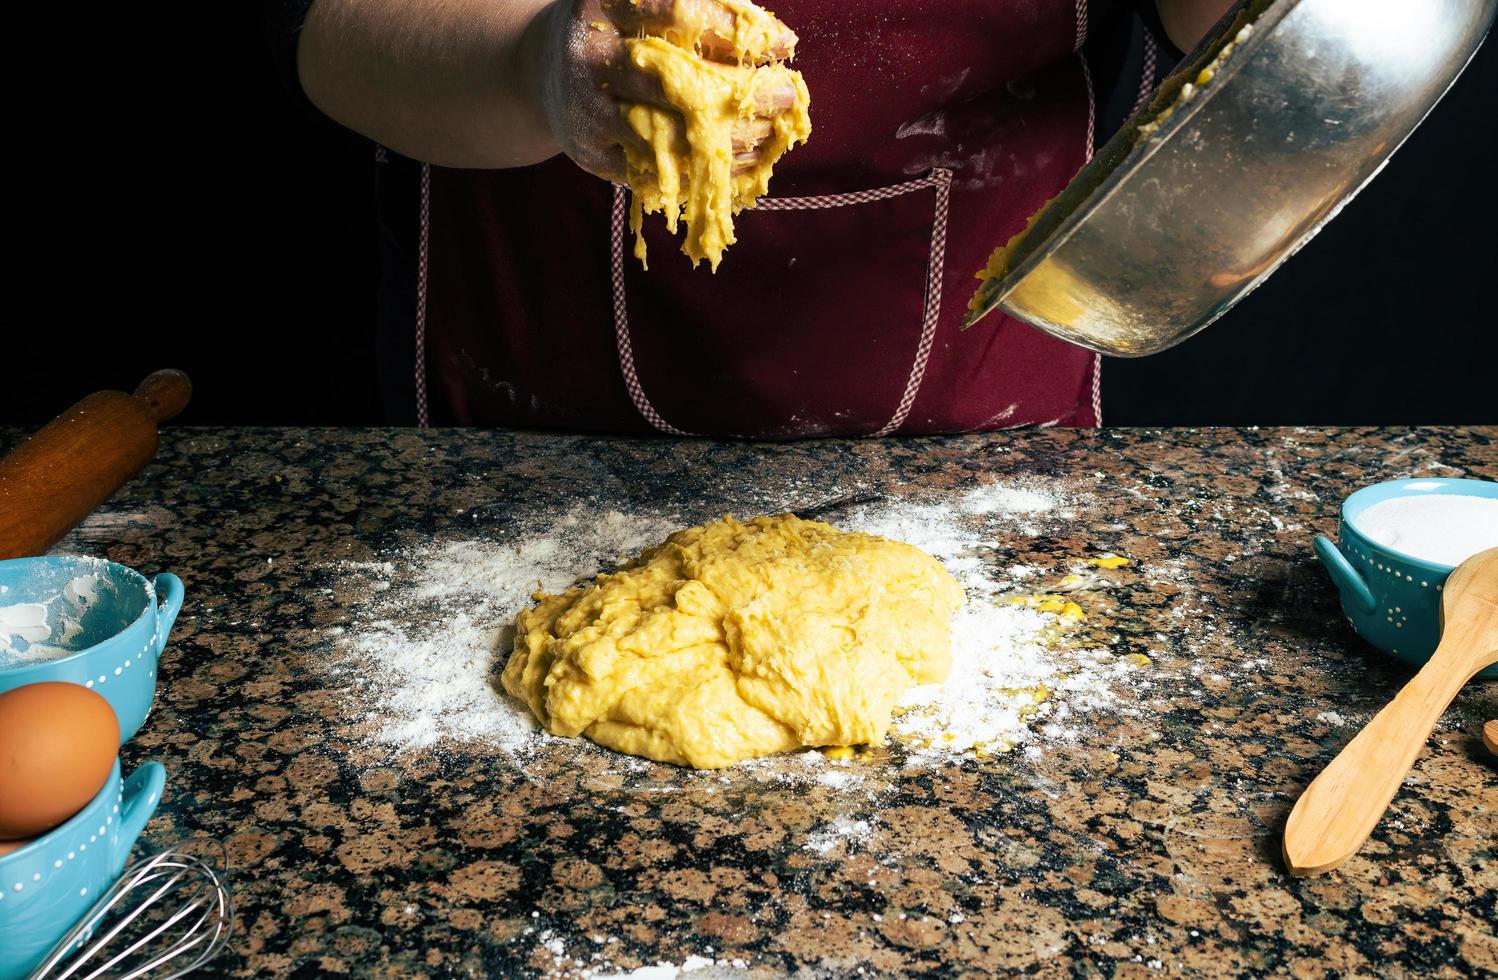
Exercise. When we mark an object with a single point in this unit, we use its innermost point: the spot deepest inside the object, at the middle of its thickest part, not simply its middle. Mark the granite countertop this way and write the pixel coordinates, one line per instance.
(1150, 845)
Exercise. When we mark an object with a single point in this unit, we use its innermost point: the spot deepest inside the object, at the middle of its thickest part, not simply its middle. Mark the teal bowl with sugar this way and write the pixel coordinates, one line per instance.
(1392, 599)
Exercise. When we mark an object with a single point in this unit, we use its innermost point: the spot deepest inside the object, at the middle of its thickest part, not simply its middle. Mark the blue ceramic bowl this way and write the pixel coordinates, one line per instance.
(1392, 599)
(47, 886)
(114, 622)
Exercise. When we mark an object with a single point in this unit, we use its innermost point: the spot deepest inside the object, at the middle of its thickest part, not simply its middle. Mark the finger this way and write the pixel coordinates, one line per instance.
(628, 84)
(640, 17)
(639, 12)
(643, 128)
(773, 92)
(744, 162)
(599, 41)
(720, 26)
(716, 42)
(625, 136)
(748, 134)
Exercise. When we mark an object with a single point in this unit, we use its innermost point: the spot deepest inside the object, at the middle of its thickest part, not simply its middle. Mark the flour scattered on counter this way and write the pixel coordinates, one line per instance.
(426, 645)
(1014, 675)
(1011, 682)
(840, 779)
(701, 965)
(848, 831)
(432, 627)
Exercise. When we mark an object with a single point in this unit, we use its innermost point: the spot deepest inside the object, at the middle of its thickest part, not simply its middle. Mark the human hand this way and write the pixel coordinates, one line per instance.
(584, 83)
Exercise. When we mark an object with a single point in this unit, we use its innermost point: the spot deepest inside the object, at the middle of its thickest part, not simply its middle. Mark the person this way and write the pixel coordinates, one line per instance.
(510, 295)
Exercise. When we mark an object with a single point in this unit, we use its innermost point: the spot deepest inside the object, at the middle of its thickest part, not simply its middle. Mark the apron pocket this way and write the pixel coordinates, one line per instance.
(818, 322)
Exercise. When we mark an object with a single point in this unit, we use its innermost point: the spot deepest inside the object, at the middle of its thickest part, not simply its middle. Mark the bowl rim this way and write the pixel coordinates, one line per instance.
(1143, 149)
(151, 607)
(1361, 499)
(1121, 168)
(114, 779)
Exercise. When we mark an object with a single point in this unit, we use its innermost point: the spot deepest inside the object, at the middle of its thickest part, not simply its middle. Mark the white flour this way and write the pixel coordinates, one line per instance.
(847, 831)
(26, 627)
(432, 630)
(1443, 528)
(440, 621)
(1008, 672)
(670, 971)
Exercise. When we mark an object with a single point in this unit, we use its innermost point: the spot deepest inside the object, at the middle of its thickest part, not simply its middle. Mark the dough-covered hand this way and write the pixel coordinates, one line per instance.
(586, 82)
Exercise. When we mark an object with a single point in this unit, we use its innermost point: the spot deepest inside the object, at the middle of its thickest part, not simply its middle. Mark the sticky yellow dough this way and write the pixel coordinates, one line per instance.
(998, 262)
(736, 640)
(687, 172)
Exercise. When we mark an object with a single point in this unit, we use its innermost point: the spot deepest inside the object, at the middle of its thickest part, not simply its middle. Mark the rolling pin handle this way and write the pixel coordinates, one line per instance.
(1354, 589)
(166, 392)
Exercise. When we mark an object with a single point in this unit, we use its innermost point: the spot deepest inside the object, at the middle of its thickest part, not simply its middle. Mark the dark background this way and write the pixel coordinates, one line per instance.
(178, 209)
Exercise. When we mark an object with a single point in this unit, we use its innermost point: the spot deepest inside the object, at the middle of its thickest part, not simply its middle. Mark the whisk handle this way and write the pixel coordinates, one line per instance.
(142, 793)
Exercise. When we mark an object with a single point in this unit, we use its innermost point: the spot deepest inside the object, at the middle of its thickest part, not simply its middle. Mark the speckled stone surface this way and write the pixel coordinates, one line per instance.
(1150, 848)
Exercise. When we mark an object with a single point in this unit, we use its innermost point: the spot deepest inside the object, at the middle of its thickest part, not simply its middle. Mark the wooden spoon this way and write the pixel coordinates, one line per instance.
(1341, 807)
(1490, 736)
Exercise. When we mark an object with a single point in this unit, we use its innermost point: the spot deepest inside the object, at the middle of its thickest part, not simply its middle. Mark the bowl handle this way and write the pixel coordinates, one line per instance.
(169, 594)
(142, 794)
(1355, 591)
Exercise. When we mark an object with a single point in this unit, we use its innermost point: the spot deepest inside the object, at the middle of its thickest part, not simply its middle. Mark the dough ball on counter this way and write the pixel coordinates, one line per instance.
(736, 640)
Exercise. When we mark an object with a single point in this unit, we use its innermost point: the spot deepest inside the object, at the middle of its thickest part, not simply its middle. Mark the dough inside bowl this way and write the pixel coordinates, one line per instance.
(1180, 88)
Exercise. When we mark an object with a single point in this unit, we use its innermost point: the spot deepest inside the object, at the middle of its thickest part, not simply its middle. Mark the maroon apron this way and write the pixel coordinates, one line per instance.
(937, 128)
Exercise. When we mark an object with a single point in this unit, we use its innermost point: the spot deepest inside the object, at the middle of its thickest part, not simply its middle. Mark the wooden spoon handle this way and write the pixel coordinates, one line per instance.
(1490, 736)
(74, 463)
(1344, 803)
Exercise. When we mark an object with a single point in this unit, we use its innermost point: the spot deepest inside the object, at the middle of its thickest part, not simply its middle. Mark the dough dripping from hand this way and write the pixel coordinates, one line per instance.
(736, 640)
(687, 173)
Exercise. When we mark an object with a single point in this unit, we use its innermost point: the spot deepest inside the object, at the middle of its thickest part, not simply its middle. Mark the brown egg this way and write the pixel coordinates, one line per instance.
(6, 846)
(57, 744)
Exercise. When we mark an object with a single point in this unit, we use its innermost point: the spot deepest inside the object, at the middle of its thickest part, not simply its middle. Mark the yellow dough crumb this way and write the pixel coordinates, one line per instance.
(687, 174)
(1109, 560)
(1064, 609)
(736, 640)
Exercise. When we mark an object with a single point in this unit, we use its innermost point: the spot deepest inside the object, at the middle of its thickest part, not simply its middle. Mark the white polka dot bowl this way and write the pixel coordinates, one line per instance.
(86, 621)
(1392, 599)
(48, 885)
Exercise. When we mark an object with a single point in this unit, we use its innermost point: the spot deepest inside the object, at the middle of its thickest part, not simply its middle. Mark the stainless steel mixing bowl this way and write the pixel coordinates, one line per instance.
(1166, 229)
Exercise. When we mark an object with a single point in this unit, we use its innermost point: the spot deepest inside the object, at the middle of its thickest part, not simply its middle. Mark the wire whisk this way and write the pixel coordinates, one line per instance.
(170, 912)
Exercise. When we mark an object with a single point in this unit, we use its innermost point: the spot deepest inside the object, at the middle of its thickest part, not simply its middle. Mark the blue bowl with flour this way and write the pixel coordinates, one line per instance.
(86, 621)
(48, 885)
(1393, 597)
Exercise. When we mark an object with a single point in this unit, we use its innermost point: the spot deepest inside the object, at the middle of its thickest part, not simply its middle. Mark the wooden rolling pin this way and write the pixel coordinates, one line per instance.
(77, 461)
